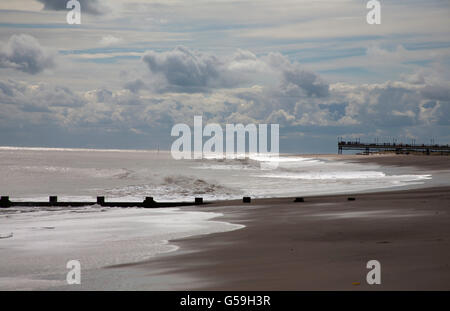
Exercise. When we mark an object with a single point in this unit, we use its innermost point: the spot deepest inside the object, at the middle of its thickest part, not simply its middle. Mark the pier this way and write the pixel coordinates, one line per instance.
(393, 147)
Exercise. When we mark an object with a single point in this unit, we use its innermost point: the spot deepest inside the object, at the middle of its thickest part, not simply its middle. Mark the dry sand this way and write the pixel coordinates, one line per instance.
(323, 243)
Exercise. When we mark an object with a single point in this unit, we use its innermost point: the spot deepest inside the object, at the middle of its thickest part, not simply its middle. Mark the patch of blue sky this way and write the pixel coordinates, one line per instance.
(328, 40)
(107, 60)
(413, 46)
(108, 50)
(64, 25)
(207, 27)
(37, 26)
(103, 50)
(421, 62)
(320, 54)
(355, 71)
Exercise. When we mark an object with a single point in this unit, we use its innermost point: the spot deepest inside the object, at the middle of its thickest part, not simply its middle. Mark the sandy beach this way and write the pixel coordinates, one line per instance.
(323, 243)
(426, 163)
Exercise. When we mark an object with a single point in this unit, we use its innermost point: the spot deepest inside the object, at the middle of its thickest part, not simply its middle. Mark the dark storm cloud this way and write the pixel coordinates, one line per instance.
(186, 70)
(6, 89)
(135, 86)
(87, 6)
(307, 81)
(21, 94)
(437, 92)
(24, 53)
(183, 68)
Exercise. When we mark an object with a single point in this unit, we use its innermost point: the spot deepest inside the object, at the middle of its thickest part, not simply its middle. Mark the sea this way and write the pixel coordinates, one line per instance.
(36, 243)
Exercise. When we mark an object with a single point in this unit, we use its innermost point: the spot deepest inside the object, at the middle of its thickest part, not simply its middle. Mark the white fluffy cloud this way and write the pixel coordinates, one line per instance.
(298, 102)
(237, 88)
(186, 70)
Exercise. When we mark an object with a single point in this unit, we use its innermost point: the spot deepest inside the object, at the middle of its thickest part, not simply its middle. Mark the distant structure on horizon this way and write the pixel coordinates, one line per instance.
(394, 147)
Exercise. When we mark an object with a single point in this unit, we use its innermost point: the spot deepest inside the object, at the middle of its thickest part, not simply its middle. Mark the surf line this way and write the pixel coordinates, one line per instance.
(234, 147)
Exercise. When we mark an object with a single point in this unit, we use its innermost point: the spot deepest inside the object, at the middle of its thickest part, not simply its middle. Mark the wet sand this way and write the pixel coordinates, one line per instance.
(323, 243)
(433, 163)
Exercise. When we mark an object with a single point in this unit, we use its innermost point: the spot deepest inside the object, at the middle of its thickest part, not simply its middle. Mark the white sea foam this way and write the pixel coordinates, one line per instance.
(36, 243)
(328, 175)
(81, 175)
(11, 148)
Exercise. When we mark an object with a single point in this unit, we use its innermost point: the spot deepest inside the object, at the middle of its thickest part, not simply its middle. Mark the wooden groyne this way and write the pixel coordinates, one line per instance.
(5, 202)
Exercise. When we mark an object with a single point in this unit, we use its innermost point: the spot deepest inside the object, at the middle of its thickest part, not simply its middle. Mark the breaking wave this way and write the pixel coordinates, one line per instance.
(175, 188)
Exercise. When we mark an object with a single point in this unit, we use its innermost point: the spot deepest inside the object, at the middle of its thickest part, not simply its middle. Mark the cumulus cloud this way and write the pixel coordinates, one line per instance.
(309, 82)
(183, 68)
(391, 107)
(396, 107)
(270, 89)
(41, 95)
(186, 70)
(24, 53)
(135, 86)
(87, 6)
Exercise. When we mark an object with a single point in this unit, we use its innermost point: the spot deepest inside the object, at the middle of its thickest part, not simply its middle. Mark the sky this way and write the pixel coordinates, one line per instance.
(133, 69)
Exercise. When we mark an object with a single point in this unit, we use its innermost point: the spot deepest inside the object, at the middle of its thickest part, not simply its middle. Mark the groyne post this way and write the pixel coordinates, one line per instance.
(5, 202)
(246, 199)
(149, 202)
